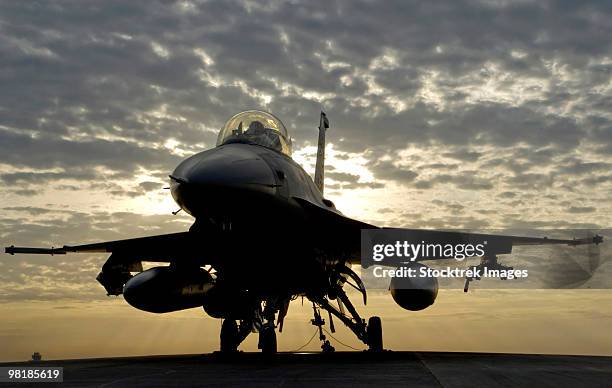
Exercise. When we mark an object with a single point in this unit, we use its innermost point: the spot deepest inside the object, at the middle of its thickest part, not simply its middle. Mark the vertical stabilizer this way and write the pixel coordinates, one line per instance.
(320, 167)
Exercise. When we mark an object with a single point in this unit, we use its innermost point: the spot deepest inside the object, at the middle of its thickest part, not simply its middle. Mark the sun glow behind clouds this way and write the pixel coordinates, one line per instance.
(354, 202)
(155, 203)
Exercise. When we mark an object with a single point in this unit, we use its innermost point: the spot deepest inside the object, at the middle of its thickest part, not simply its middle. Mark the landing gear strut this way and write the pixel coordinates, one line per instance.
(265, 325)
(319, 322)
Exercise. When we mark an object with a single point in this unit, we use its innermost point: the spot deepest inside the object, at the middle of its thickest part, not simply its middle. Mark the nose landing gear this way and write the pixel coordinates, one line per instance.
(317, 321)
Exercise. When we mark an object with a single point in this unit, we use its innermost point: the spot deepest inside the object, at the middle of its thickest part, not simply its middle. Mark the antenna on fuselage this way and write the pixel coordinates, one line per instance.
(320, 166)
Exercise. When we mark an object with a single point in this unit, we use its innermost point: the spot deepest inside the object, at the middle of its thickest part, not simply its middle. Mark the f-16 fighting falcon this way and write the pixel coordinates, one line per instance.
(263, 235)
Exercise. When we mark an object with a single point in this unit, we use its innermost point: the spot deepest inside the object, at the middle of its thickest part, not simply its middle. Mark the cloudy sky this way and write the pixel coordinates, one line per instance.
(456, 114)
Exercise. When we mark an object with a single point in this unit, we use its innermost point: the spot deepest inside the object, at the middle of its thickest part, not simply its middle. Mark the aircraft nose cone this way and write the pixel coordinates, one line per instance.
(229, 166)
(223, 179)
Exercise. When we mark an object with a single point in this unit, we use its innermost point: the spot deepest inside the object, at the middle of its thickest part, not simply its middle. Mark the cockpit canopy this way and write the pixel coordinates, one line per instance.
(256, 127)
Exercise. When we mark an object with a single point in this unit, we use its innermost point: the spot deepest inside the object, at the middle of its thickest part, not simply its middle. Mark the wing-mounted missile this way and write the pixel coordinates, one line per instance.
(36, 251)
(489, 262)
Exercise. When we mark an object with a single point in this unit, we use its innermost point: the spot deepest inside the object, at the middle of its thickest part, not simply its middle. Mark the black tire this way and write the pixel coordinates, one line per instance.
(374, 331)
(267, 340)
(229, 336)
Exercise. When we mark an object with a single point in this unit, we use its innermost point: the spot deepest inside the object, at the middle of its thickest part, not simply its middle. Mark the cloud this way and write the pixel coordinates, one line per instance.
(463, 155)
(483, 75)
(388, 171)
(21, 150)
(581, 209)
(343, 177)
(28, 209)
(149, 186)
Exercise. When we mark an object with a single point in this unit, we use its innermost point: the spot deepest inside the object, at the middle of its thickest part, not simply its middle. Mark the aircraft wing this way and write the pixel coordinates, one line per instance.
(493, 244)
(343, 235)
(338, 231)
(127, 255)
(160, 248)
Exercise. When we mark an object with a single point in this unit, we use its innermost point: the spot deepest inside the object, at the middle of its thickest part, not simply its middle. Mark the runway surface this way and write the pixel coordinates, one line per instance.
(340, 369)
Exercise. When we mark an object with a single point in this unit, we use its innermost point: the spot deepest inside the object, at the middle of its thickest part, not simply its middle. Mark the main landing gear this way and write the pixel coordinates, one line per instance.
(370, 334)
(262, 321)
(229, 336)
(232, 334)
(374, 331)
(267, 339)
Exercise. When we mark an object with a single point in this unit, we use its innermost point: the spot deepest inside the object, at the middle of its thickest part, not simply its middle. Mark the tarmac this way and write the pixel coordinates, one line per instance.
(339, 369)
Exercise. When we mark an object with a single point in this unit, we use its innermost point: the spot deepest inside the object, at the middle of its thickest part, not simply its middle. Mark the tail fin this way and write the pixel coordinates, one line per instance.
(320, 167)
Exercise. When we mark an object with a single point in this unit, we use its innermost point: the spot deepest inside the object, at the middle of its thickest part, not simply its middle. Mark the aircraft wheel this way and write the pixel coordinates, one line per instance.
(267, 340)
(374, 331)
(229, 336)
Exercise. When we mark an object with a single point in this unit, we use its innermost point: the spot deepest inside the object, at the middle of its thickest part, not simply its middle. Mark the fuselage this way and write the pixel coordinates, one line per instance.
(246, 202)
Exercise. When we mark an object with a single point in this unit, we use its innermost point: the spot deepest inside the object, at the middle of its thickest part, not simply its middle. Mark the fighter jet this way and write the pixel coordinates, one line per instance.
(263, 235)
